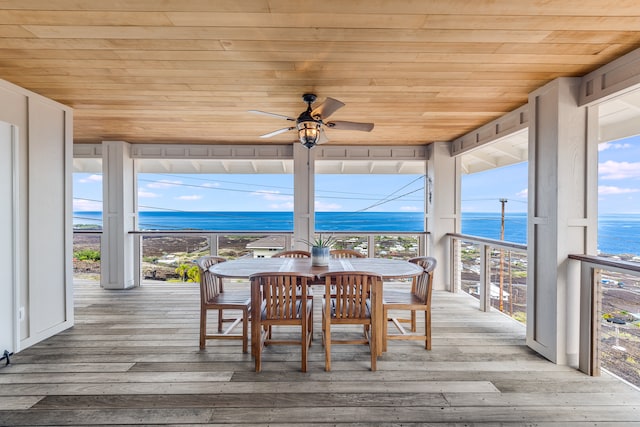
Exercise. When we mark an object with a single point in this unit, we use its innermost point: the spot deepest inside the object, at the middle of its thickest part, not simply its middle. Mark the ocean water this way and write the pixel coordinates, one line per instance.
(617, 234)
(267, 221)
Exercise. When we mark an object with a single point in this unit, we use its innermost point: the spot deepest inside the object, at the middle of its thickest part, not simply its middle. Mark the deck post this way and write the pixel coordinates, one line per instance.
(442, 209)
(119, 217)
(561, 217)
(303, 194)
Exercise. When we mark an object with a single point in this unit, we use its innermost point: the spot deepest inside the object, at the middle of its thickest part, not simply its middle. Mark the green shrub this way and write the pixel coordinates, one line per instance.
(520, 316)
(87, 255)
(188, 273)
(193, 274)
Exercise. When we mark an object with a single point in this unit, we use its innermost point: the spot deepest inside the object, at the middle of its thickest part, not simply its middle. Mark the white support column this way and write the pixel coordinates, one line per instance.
(119, 216)
(303, 190)
(442, 208)
(561, 217)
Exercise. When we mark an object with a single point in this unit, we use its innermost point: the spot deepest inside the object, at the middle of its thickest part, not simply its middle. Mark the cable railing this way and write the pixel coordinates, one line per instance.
(162, 252)
(610, 326)
(492, 271)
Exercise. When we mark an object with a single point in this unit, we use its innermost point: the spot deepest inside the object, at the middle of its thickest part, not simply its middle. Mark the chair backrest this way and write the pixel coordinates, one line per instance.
(281, 296)
(351, 293)
(345, 253)
(209, 284)
(424, 282)
(292, 254)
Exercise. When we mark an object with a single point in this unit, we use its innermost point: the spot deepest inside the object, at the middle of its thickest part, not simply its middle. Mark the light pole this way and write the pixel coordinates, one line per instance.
(502, 202)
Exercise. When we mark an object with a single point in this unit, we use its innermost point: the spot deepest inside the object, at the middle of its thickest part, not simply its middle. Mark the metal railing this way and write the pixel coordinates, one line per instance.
(493, 271)
(161, 251)
(371, 243)
(610, 316)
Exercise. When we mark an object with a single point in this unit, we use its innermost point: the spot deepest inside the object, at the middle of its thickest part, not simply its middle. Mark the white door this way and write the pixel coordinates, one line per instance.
(8, 239)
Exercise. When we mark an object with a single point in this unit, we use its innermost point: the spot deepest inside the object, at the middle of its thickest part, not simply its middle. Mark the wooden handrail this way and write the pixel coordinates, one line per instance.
(608, 262)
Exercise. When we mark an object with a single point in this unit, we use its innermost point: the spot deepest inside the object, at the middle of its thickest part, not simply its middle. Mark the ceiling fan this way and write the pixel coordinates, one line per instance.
(311, 122)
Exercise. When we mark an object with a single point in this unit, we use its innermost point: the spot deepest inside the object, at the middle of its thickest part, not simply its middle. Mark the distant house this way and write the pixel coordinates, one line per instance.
(169, 259)
(267, 246)
(494, 292)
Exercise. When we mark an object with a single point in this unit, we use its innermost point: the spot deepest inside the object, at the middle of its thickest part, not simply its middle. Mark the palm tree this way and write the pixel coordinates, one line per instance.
(182, 271)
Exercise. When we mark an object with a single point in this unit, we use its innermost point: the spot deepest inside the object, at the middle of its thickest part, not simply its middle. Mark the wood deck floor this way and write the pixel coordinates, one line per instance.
(132, 358)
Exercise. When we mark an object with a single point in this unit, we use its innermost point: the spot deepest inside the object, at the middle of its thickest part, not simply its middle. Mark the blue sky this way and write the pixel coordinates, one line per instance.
(260, 192)
(618, 182)
(619, 189)
(619, 176)
(482, 191)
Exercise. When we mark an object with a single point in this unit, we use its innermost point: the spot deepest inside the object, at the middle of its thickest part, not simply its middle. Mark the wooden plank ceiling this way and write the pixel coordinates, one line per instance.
(187, 71)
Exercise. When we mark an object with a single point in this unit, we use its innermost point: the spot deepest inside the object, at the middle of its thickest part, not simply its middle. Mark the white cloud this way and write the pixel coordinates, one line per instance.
(612, 145)
(86, 205)
(619, 170)
(282, 206)
(273, 196)
(322, 206)
(189, 198)
(211, 185)
(523, 193)
(91, 179)
(164, 183)
(606, 190)
(147, 194)
(409, 209)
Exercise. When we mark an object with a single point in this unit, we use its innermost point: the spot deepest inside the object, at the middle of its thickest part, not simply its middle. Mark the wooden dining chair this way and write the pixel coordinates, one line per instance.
(213, 298)
(418, 298)
(342, 254)
(297, 254)
(275, 303)
(353, 303)
(345, 253)
(292, 254)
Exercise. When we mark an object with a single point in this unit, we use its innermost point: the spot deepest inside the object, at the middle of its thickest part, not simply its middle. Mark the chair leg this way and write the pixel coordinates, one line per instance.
(322, 329)
(311, 328)
(385, 328)
(413, 321)
(220, 314)
(258, 348)
(427, 329)
(255, 333)
(311, 324)
(304, 341)
(245, 330)
(373, 346)
(258, 359)
(203, 327)
(327, 347)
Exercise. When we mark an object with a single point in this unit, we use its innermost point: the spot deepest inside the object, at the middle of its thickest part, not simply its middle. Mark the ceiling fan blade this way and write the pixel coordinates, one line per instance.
(365, 127)
(323, 137)
(327, 108)
(279, 116)
(277, 132)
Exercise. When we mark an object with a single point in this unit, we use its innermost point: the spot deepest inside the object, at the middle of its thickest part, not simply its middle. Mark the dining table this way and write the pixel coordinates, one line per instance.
(243, 268)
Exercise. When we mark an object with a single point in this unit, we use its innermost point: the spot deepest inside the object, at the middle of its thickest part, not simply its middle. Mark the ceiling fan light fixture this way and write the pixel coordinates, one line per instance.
(310, 122)
(309, 132)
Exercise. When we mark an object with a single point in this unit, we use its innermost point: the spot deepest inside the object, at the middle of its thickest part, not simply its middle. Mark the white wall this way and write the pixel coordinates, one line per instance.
(8, 271)
(42, 281)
